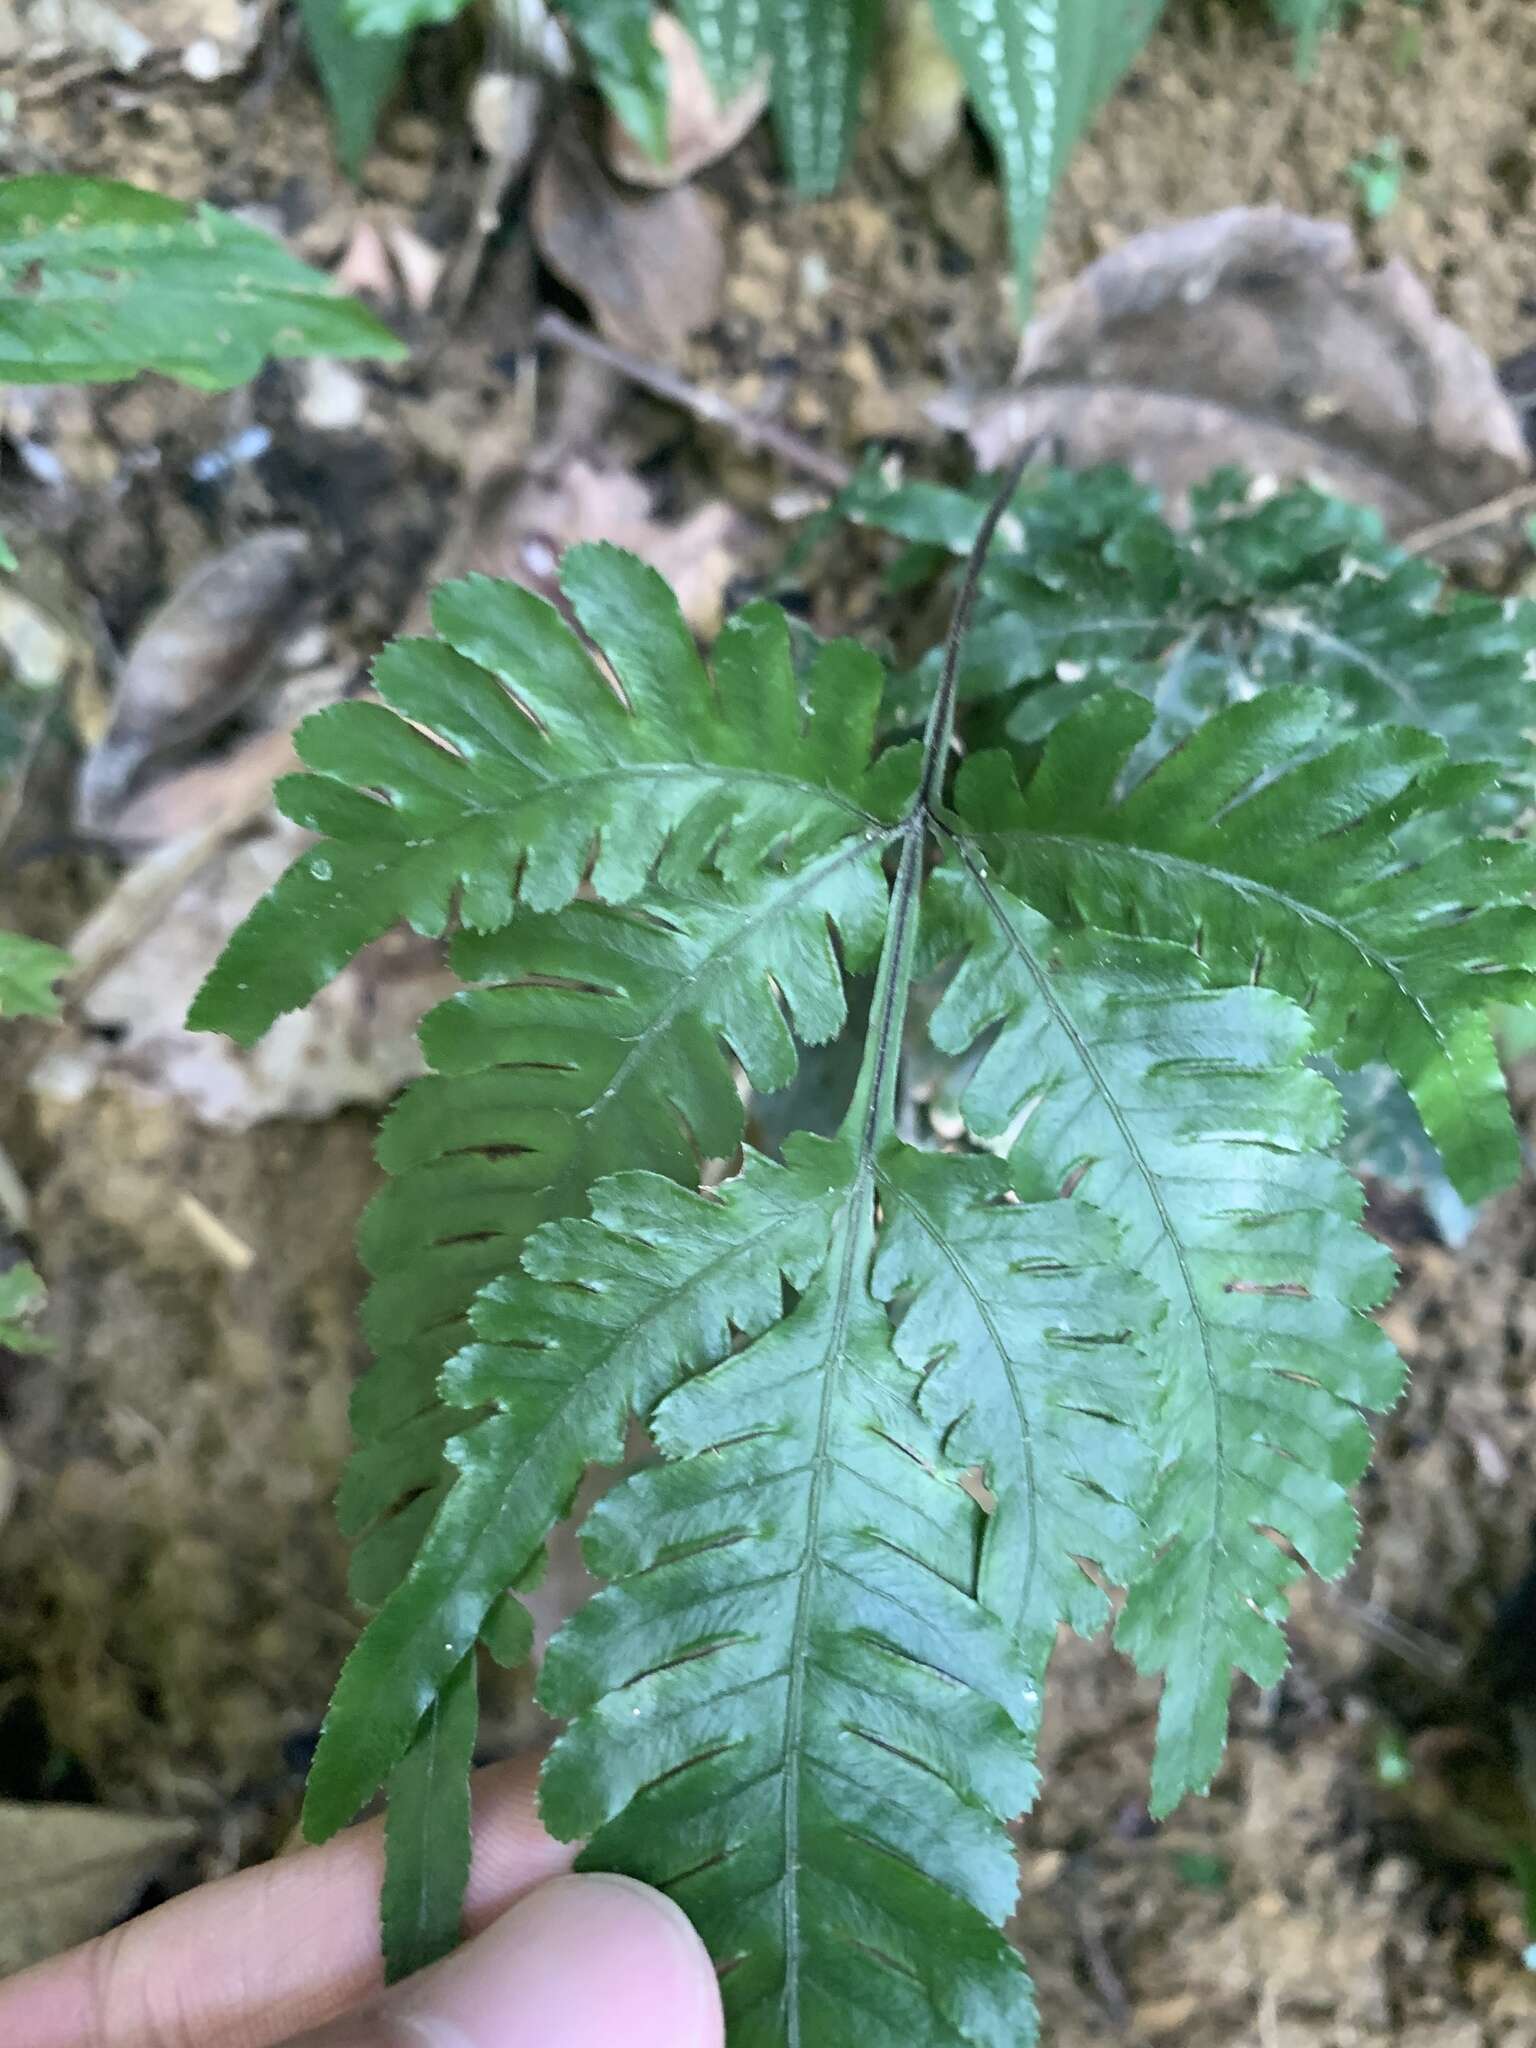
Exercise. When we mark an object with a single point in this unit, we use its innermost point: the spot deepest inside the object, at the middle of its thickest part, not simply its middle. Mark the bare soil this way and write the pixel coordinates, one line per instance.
(171, 1587)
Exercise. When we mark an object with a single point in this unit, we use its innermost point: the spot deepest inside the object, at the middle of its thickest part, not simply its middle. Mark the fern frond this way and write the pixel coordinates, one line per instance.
(1090, 588)
(1185, 1112)
(592, 1039)
(788, 1710)
(1024, 1327)
(1351, 880)
(502, 768)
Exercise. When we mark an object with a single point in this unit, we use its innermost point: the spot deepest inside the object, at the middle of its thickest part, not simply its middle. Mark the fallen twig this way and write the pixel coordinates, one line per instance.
(708, 406)
(1424, 539)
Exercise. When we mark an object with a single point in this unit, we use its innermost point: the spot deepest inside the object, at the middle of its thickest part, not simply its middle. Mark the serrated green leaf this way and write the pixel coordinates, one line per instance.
(821, 54)
(596, 1038)
(788, 1711)
(28, 971)
(1090, 588)
(1037, 72)
(732, 36)
(537, 764)
(426, 1861)
(1186, 1113)
(101, 280)
(22, 1294)
(1355, 880)
(627, 64)
(359, 73)
(1023, 1326)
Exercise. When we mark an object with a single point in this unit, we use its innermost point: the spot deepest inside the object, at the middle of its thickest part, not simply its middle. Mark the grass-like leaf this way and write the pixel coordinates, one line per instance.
(1038, 71)
(359, 73)
(732, 36)
(102, 280)
(821, 53)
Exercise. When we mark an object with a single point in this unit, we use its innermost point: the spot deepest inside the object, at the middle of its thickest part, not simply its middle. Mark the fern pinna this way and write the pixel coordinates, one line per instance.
(1135, 1295)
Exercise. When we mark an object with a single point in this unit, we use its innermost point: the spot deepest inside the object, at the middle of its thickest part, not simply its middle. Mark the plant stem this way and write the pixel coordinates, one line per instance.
(941, 716)
(871, 1114)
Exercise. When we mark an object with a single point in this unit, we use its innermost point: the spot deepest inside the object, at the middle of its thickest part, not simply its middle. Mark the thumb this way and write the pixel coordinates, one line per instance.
(583, 1962)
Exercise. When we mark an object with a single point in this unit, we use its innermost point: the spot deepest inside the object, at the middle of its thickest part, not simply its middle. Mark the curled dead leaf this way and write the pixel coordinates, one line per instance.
(591, 501)
(1254, 337)
(650, 266)
(145, 951)
(201, 655)
(68, 1872)
(700, 128)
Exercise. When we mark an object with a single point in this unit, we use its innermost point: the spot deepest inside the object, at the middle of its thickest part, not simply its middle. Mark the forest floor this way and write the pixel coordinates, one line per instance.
(172, 1605)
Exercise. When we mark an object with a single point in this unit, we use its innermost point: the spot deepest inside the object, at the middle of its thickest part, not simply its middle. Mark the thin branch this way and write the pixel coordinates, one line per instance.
(941, 717)
(1424, 539)
(708, 406)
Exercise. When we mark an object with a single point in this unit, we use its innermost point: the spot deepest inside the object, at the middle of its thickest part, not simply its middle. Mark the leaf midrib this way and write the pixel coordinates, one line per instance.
(1242, 885)
(1150, 1178)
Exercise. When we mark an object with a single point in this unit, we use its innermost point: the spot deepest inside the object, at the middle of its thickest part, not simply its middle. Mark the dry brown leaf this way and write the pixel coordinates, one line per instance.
(355, 1043)
(210, 793)
(650, 266)
(587, 501)
(68, 1872)
(699, 128)
(1254, 337)
(201, 655)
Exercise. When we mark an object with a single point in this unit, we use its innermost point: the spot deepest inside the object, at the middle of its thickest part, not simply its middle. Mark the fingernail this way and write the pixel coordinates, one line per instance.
(583, 1962)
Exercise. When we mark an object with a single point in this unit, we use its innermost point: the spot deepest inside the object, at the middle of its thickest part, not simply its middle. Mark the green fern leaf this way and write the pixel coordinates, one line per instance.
(1090, 588)
(1024, 1327)
(595, 1038)
(788, 1711)
(821, 53)
(1185, 1112)
(538, 776)
(1354, 880)
(426, 1859)
(1038, 71)
(805, 1700)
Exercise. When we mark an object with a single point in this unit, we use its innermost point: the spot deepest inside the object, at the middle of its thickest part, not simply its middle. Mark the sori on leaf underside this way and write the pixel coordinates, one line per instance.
(1133, 1299)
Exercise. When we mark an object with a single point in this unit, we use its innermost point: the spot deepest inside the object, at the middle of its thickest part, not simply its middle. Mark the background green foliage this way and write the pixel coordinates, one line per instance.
(101, 280)
(1038, 72)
